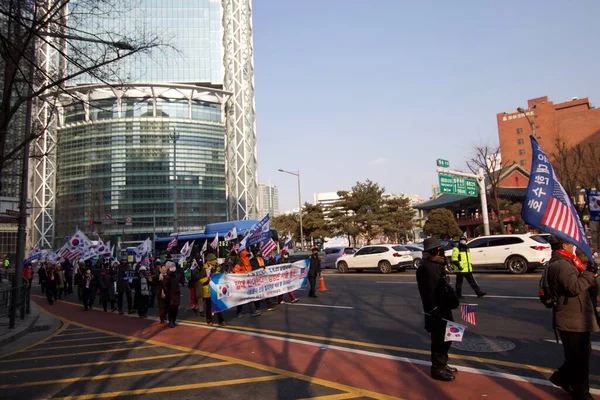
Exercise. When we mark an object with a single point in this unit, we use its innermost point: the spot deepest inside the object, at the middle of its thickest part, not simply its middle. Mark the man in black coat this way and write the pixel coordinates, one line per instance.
(313, 271)
(431, 279)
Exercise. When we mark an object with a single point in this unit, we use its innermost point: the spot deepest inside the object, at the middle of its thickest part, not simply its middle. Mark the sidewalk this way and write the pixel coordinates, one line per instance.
(389, 376)
(34, 327)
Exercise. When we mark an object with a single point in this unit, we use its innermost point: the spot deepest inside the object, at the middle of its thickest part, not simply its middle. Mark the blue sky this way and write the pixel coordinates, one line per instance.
(349, 90)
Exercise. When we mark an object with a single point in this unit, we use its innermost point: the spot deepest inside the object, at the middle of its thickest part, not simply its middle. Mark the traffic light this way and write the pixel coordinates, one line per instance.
(118, 223)
(95, 222)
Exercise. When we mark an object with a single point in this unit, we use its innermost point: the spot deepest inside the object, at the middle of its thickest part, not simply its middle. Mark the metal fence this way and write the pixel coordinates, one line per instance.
(23, 300)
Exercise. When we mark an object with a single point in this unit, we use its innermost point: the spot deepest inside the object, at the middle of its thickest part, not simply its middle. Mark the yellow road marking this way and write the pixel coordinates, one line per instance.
(174, 388)
(75, 334)
(381, 346)
(317, 381)
(39, 342)
(85, 353)
(117, 375)
(81, 345)
(90, 364)
(340, 396)
(79, 339)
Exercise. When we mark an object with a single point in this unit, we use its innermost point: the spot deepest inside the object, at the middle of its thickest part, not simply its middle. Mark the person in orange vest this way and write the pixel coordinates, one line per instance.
(259, 262)
(243, 267)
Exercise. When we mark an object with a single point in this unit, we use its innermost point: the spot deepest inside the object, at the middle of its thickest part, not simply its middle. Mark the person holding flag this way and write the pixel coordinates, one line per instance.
(548, 208)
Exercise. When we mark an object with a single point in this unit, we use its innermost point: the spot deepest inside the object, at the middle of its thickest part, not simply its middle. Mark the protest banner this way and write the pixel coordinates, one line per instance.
(230, 290)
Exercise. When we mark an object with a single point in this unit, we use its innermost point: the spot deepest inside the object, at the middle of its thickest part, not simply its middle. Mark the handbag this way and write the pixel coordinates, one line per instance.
(452, 300)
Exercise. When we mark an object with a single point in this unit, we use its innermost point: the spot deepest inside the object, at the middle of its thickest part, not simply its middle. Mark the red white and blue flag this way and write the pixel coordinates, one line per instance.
(547, 206)
(268, 248)
(172, 244)
(467, 313)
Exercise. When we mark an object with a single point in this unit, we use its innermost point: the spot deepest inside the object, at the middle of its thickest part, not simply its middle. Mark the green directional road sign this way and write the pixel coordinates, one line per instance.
(443, 163)
(453, 184)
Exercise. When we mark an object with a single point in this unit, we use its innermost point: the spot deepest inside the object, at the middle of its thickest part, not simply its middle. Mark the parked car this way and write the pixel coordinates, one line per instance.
(333, 253)
(518, 253)
(416, 251)
(384, 257)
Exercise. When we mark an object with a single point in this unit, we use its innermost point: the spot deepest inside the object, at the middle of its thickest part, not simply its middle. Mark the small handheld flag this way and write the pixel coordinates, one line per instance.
(593, 202)
(215, 243)
(172, 244)
(231, 235)
(467, 313)
(268, 248)
(548, 207)
(454, 332)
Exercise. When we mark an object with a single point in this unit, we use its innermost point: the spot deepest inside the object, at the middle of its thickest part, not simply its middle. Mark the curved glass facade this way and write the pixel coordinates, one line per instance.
(117, 156)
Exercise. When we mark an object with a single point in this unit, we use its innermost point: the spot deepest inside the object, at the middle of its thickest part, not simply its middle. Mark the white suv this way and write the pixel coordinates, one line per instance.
(517, 253)
(385, 257)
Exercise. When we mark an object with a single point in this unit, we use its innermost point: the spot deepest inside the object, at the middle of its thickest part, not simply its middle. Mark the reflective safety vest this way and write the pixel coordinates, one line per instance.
(464, 259)
(6, 263)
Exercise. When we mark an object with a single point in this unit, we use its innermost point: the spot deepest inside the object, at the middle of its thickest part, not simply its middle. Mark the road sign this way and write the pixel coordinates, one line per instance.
(108, 217)
(453, 184)
(443, 163)
(128, 221)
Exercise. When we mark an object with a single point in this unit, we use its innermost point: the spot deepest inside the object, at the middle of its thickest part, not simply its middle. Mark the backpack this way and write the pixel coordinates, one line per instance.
(546, 294)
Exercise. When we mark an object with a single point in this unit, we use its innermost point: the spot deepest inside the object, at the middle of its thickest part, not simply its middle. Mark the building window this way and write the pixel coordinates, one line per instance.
(521, 152)
(521, 141)
(519, 131)
(523, 163)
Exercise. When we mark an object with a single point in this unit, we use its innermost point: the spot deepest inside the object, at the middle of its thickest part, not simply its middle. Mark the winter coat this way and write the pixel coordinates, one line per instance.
(431, 280)
(257, 262)
(243, 265)
(203, 284)
(574, 310)
(122, 280)
(43, 274)
(172, 288)
(106, 282)
(315, 266)
(90, 285)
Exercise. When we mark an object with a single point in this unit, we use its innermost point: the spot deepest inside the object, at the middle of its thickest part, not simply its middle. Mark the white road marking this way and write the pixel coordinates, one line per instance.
(399, 283)
(324, 346)
(321, 305)
(492, 296)
(595, 345)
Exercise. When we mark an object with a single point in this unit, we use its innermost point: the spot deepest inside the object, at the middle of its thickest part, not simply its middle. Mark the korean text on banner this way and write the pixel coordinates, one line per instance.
(230, 290)
(548, 207)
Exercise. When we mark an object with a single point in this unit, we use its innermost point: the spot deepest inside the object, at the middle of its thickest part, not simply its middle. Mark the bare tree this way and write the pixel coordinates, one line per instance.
(487, 158)
(46, 44)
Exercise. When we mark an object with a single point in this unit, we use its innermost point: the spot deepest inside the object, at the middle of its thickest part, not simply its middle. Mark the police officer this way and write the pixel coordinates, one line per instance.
(574, 316)
(431, 280)
(463, 268)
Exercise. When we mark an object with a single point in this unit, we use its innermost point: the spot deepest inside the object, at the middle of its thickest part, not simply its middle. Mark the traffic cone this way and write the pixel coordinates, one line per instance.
(322, 287)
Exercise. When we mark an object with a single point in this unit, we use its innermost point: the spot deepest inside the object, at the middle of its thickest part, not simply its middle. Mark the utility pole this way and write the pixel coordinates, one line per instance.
(297, 175)
(154, 232)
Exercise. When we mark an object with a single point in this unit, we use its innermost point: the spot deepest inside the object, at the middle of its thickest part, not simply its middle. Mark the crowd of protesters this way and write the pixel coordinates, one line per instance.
(123, 286)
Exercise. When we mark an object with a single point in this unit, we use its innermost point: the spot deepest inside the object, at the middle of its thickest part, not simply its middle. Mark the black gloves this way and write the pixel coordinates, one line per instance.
(592, 267)
(435, 313)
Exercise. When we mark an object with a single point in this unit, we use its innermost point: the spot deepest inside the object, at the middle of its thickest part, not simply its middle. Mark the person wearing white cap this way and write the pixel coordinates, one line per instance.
(142, 292)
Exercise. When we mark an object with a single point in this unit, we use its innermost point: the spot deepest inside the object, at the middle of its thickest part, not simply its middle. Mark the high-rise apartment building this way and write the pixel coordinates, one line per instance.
(268, 200)
(181, 129)
(574, 121)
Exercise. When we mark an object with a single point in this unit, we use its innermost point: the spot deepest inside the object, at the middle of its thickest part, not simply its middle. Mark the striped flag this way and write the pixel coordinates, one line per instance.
(268, 248)
(547, 205)
(215, 243)
(172, 244)
(467, 313)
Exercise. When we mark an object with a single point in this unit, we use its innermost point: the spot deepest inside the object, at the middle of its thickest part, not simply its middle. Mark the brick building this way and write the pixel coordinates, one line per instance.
(574, 121)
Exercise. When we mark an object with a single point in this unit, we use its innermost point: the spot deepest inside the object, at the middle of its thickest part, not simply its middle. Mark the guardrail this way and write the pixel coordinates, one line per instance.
(23, 300)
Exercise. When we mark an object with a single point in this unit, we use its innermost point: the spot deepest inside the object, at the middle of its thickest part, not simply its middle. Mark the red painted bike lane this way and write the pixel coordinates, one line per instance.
(389, 377)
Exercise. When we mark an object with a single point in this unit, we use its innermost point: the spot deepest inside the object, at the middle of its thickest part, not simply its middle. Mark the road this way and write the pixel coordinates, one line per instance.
(363, 338)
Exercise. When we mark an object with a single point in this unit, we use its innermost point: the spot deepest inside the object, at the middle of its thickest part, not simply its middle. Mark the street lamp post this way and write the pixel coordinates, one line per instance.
(297, 175)
(174, 137)
(531, 124)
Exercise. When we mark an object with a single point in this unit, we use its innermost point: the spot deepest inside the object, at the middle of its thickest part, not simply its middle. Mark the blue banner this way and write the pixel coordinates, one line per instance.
(593, 202)
(230, 290)
(548, 207)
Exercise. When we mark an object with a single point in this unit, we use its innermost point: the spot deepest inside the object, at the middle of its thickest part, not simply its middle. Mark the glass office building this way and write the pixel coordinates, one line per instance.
(132, 153)
(107, 153)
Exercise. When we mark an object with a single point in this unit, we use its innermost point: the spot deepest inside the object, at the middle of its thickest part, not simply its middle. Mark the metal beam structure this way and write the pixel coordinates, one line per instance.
(241, 154)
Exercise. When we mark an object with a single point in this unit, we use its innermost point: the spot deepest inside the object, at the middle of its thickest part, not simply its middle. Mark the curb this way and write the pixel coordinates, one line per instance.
(21, 329)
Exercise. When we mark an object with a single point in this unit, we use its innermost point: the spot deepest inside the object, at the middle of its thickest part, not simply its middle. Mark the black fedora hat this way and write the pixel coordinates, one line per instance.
(431, 243)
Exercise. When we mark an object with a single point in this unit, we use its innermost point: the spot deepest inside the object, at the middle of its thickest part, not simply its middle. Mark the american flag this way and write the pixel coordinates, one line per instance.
(559, 215)
(268, 248)
(467, 313)
(172, 244)
(66, 253)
